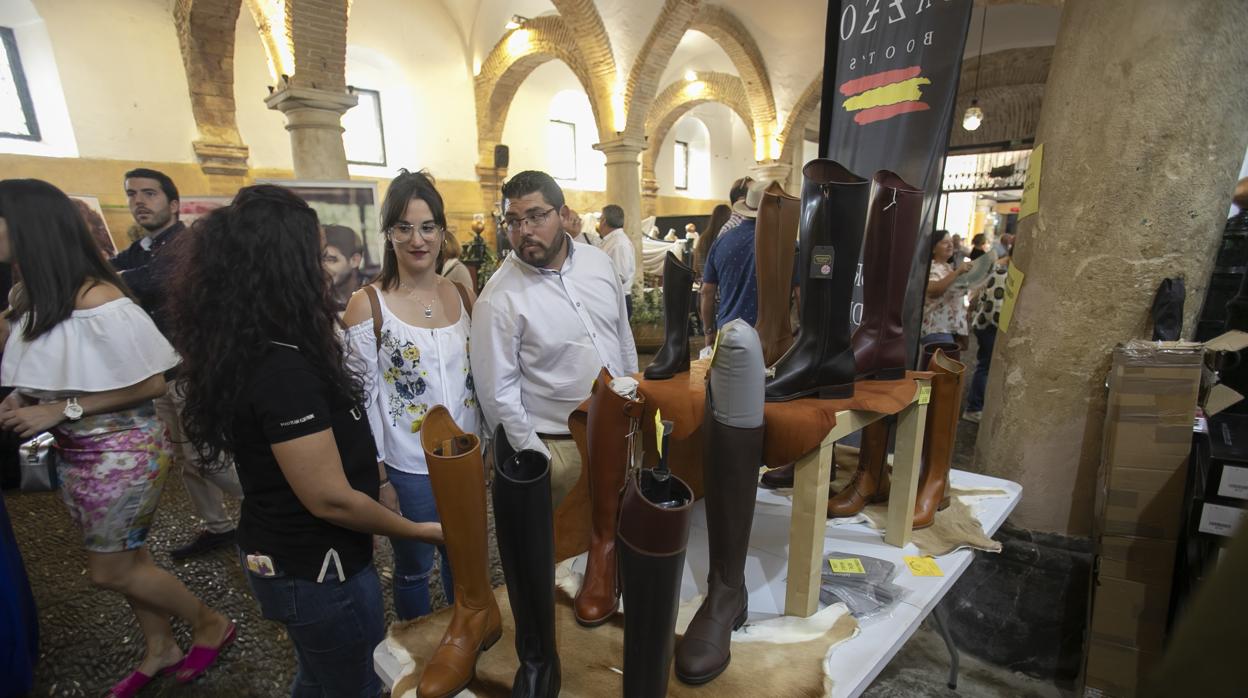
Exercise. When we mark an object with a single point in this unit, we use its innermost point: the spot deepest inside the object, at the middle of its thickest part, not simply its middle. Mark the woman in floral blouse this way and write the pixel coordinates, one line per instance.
(944, 309)
(420, 361)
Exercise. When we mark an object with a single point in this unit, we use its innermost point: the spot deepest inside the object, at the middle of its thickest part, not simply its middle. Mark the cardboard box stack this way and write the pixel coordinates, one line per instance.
(1153, 393)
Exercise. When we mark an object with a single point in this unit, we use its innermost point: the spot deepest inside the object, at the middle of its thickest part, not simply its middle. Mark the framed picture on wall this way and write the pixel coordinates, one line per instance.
(192, 208)
(351, 204)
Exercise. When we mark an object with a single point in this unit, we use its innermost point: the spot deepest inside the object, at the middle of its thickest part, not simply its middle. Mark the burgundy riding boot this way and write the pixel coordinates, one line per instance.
(892, 232)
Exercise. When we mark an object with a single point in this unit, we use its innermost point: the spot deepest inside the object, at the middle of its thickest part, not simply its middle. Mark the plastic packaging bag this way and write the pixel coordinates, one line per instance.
(38, 462)
(864, 583)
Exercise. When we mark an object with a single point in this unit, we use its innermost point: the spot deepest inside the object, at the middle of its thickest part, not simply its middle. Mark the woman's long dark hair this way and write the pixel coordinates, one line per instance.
(402, 189)
(719, 216)
(250, 274)
(54, 250)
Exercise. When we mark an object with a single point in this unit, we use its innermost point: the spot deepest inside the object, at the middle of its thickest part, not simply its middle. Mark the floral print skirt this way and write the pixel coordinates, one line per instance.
(112, 469)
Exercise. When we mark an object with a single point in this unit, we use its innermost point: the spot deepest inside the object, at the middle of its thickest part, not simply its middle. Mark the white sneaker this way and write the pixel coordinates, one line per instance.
(972, 416)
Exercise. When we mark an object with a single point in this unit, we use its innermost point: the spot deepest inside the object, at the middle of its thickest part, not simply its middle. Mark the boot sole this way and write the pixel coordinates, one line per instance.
(593, 623)
(829, 392)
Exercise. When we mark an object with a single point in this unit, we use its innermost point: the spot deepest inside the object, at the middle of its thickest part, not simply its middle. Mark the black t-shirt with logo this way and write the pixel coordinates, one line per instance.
(287, 398)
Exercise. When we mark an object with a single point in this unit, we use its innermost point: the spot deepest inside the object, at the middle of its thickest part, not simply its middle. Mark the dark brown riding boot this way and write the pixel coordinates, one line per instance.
(775, 241)
(938, 438)
(834, 211)
(892, 233)
(457, 475)
(608, 422)
(673, 356)
(870, 483)
(653, 536)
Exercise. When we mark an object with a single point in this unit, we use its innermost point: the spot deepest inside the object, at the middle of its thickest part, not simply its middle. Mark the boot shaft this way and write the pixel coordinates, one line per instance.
(775, 238)
(673, 356)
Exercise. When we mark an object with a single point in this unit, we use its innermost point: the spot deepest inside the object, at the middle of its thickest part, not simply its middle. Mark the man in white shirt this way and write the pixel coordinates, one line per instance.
(548, 320)
(620, 249)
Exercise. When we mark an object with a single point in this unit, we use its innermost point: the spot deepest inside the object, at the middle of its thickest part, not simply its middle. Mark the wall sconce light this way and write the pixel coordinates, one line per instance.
(516, 22)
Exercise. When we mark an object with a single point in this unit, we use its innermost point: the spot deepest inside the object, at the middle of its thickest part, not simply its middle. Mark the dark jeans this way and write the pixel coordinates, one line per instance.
(335, 626)
(413, 559)
(986, 339)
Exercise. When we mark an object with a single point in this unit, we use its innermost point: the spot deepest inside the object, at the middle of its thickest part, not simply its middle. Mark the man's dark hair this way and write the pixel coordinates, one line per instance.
(529, 181)
(612, 216)
(739, 189)
(343, 239)
(166, 184)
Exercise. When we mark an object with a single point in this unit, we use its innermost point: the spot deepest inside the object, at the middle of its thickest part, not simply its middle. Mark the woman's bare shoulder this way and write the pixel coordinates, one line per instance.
(97, 294)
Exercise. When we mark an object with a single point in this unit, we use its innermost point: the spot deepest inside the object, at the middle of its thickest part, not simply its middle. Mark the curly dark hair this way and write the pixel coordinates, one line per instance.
(250, 274)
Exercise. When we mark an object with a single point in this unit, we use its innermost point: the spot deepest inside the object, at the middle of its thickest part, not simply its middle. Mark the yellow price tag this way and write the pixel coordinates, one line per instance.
(714, 348)
(847, 565)
(923, 566)
(658, 430)
(1031, 186)
(1013, 284)
(925, 394)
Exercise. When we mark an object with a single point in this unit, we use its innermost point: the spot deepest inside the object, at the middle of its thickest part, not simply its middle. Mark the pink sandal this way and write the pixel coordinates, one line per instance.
(137, 680)
(200, 658)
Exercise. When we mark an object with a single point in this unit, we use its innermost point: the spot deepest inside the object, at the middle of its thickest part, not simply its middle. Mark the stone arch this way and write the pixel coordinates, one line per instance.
(594, 46)
(206, 31)
(728, 31)
(676, 101)
(799, 117)
(511, 61)
(1011, 90)
(652, 60)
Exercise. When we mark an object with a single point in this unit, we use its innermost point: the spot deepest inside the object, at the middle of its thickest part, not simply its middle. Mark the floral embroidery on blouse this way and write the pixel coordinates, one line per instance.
(470, 397)
(408, 379)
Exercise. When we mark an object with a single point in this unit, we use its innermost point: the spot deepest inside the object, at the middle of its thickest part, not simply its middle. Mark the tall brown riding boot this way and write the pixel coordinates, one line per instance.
(775, 240)
(870, 483)
(938, 437)
(457, 475)
(609, 420)
(892, 232)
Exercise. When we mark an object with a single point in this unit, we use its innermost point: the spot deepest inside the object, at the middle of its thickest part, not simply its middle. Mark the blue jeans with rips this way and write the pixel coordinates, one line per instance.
(413, 560)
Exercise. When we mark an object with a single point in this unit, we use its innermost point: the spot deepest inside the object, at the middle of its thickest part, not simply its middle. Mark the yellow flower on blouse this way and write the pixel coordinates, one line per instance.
(411, 353)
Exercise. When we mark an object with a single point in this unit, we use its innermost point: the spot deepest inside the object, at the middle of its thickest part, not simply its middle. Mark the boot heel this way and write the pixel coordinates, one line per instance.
(492, 639)
(836, 392)
(944, 504)
(740, 620)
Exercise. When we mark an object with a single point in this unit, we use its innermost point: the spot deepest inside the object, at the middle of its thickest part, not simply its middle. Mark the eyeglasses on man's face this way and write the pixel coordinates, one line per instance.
(517, 224)
(402, 232)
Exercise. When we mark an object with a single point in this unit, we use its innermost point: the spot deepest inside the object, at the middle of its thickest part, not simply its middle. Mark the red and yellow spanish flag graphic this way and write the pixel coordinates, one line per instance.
(885, 95)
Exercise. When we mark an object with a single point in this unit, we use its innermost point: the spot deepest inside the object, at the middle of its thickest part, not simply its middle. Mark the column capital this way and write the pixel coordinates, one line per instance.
(221, 158)
(291, 98)
(771, 169)
(618, 150)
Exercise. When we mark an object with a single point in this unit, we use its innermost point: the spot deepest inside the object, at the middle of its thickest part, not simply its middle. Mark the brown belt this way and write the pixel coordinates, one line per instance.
(554, 437)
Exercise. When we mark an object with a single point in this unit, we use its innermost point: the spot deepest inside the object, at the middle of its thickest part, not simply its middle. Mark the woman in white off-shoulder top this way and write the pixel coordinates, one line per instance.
(85, 363)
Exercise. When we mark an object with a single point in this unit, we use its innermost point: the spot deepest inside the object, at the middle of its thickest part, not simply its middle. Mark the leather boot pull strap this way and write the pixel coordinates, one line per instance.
(893, 202)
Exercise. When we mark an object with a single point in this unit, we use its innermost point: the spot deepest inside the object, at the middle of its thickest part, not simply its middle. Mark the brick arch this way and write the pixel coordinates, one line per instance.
(799, 117)
(206, 31)
(643, 80)
(1011, 90)
(677, 99)
(593, 44)
(728, 31)
(506, 68)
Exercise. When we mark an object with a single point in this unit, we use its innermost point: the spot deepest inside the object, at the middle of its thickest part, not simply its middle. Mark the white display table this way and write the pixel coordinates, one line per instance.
(853, 664)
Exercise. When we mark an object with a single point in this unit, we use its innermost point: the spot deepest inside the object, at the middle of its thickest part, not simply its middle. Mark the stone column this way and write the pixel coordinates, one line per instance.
(772, 169)
(624, 186)
(1144, 125)
(314, 120)
(649, 194)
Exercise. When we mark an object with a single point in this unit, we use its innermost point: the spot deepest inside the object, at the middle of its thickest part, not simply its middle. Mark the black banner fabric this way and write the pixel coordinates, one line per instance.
(891, 72)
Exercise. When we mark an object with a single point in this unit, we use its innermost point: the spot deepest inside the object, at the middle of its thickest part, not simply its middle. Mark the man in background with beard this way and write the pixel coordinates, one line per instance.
(145, 267)
(548, 320)
(342, 257)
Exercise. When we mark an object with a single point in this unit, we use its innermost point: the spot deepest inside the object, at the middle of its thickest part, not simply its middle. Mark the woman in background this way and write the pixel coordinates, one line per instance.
(702, 248)
(451, 266)
(86, 363)
(944, 309)
(265, 379)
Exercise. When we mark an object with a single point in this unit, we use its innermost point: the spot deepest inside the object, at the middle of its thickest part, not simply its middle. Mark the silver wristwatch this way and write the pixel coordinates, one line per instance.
(73, 411)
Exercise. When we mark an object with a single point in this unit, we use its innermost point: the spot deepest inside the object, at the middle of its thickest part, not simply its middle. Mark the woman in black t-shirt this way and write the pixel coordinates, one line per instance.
(255, 322)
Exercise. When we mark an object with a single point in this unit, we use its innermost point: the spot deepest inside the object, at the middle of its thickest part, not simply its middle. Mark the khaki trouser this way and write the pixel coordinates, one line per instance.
(565, 468)
(205, 487)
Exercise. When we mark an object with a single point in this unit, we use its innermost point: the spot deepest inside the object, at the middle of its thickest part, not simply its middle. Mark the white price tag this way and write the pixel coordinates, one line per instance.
(1234, 482)
(1220, 520)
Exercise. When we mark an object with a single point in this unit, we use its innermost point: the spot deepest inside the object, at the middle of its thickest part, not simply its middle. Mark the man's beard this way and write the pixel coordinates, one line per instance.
(154, 224)
(543, 255)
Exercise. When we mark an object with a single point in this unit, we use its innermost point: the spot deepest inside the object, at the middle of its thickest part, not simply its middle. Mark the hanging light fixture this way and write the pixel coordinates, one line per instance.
(974, 116)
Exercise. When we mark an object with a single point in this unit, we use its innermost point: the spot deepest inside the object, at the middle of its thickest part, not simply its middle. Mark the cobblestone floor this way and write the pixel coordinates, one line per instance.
(90, 638)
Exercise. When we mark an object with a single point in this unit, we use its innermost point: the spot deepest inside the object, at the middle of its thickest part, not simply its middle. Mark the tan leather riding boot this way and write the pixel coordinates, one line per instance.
(938, 438)
(457, 475)
(775, 240)
(870, 483)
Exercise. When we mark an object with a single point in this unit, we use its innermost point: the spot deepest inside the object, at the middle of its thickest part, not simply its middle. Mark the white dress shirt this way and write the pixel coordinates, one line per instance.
(620, 249)
(539, 338)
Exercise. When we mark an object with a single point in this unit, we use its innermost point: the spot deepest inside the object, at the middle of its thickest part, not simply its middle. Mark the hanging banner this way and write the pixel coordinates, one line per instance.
(890, 78)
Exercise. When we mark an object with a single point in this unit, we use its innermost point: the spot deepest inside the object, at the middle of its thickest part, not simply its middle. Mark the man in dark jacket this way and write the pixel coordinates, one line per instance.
(145, 267)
